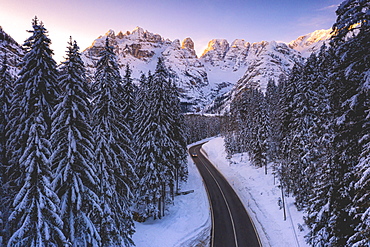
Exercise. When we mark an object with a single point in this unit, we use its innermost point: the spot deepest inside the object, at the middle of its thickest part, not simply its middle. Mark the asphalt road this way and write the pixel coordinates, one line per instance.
(231, 225)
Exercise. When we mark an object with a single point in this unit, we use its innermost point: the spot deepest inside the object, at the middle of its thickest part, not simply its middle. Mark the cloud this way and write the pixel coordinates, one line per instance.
(330, 7)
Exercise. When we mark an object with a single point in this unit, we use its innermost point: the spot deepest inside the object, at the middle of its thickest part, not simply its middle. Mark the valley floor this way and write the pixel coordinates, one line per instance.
(188, 222)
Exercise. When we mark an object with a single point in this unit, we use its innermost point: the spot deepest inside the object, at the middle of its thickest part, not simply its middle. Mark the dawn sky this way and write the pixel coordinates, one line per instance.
(202, 20)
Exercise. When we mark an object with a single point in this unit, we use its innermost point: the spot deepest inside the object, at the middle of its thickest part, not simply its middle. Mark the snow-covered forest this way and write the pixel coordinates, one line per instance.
(80, 161)
(84, 156)
(314, 127)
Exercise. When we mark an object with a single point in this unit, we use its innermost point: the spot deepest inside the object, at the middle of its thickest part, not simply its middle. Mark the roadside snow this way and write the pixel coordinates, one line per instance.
(261, 197)
(186, 223)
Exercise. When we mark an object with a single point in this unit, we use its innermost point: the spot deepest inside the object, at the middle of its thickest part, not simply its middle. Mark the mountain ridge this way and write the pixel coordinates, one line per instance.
(206, 83)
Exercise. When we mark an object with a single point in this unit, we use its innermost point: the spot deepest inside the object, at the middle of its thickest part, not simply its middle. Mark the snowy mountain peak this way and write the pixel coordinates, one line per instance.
(311, 42)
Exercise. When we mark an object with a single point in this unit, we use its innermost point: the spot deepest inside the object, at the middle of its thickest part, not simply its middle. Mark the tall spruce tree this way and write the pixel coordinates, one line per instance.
(151, 134)
(158, 137)
(114, 163)
(128, 105)
(178, 137)
(287, 88)
(6, 90)
(35, 206)
(36, 218)
(129, 91)
(350, 104)
(321, 153)
(75, 180)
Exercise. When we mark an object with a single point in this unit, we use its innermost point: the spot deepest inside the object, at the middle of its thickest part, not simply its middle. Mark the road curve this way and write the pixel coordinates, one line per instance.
(231, 225)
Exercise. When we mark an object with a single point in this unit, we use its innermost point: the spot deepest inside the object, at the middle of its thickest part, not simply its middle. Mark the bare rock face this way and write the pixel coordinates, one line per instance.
(136, 51)
(188, 45)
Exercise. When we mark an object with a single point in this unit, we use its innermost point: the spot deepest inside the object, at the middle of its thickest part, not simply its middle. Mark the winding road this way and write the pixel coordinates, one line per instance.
(231, 225)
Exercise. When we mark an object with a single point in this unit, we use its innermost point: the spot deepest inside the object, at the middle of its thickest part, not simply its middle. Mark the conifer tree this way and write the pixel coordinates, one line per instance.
(160, 144)
(350, 104)
(128, 99)
(322, 186)
(35, 215)
(75, 180)
(178, 136)
(287, 88)
(116, 226)
(272, 100)
(6, 88)
(37, 78)
(151, 165)
(128, 105)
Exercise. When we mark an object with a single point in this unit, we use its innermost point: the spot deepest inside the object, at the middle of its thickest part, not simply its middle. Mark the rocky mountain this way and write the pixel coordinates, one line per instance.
(263, 61)
(12, 50)
(207, 83)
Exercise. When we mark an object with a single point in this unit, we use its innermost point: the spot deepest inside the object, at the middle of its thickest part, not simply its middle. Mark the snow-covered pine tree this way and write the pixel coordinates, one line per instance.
(128, 105)
(156, 133)
(6, 90)
(260, 123)
(33, 99)
(151, 160)
(114, 163)
(75, 180)
(178, 137)
(303, 120)
(272, 100)
(35, 217)
(319, 198)
(350, 79)
(351, 39)
(129, 91)
(287, 89)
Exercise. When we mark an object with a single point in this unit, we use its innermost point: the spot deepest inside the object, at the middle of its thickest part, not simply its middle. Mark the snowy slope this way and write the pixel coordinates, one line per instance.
(186, 223)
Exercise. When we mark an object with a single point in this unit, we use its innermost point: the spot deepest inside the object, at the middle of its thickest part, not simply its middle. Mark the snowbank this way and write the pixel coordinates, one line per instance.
(260, 196)
(186, 223)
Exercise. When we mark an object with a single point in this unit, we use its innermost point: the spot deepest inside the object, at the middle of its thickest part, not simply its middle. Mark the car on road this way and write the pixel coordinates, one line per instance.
(194, 155)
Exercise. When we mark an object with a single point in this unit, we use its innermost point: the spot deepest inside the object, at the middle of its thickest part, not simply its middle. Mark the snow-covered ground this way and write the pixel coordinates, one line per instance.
(260, 197)
(186, 223)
